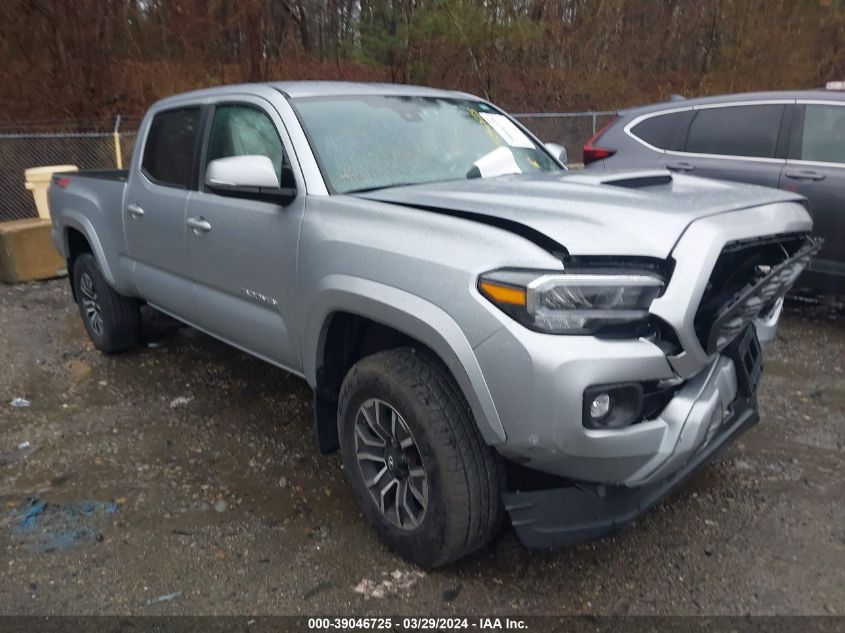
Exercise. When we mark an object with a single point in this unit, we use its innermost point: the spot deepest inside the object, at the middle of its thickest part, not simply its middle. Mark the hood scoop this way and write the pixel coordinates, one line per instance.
(628, 180)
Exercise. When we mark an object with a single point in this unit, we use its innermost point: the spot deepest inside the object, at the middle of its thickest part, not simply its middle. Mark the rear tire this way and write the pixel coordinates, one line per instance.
(451, 507)
(112, 321)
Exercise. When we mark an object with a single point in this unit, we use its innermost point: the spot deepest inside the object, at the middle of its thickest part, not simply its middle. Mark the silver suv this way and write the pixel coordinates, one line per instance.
(483, 330)
(794, 140)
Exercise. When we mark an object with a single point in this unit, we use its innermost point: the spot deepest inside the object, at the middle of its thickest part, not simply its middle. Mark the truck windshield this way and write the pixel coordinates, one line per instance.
(372, 142)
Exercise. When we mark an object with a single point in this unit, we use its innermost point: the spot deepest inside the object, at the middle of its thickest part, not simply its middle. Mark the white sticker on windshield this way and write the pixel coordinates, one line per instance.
(505, 128)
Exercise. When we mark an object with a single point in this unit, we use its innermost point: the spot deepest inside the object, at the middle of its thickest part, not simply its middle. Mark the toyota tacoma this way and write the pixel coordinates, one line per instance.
(485, 333)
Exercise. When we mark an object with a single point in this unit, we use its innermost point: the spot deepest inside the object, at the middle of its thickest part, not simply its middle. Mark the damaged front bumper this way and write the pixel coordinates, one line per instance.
(584, 512)
(725, 405)
(708, 375)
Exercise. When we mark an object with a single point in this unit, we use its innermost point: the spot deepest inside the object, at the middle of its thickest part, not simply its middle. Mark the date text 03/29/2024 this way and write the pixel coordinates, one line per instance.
(418, 624)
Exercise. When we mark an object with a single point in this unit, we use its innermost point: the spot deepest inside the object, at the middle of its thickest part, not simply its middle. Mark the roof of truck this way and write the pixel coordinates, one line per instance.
(298, 89)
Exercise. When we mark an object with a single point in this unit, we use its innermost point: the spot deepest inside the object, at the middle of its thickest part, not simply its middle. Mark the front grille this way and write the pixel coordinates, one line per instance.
(748, 279)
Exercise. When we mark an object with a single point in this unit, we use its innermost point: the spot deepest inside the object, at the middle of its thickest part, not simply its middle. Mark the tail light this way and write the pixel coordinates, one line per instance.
(61, 181)
(593, 152)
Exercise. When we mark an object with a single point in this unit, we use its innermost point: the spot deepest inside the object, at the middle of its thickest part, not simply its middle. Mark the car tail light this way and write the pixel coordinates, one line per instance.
(61, 181)
(593, 152)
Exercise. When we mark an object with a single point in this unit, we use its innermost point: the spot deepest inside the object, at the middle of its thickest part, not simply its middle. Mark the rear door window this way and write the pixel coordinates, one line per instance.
(750, 130)
(170, 152)
(665, 131)
(824, 134)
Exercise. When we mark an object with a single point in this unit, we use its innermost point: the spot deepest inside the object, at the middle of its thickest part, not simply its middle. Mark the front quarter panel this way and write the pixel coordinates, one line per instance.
(414, 271)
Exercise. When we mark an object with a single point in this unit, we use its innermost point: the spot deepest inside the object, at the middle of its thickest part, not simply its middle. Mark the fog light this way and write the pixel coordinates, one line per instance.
(612, 406)
(600, 406)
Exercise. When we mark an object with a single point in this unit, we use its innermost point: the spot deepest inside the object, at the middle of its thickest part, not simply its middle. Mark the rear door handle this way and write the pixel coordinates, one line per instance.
(134, 210)
(199, 225)
(681, 166)
(803, 174)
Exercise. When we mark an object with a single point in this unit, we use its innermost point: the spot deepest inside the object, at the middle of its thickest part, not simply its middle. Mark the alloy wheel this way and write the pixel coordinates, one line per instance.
(90, 303)
(391, 464)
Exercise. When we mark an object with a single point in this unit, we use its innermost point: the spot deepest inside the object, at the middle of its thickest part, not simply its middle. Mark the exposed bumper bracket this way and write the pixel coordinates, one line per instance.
(584, 512)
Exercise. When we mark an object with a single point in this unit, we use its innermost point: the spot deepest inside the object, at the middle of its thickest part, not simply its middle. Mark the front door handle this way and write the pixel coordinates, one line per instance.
(134, 210)
(199, 225)
(681, 166)
(803, 174)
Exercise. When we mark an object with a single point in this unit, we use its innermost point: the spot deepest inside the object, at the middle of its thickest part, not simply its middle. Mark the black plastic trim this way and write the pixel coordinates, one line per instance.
(585, 512)
(640, 181)
(626, 405)
(117, 175)
(785, 132)
(733, 317)
(796, 131)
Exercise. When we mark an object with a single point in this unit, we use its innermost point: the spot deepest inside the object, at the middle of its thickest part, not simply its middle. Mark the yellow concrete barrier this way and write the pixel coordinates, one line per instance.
(27, 253)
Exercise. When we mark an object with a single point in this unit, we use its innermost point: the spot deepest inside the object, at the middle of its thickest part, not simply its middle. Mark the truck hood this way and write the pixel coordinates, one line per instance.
(588, 213)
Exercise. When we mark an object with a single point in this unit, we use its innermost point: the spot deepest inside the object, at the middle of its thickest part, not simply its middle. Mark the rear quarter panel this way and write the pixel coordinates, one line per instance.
(94, 208)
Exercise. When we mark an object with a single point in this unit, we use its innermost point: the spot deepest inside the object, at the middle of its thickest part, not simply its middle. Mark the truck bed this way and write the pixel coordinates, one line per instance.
(94, 197)
(119, 175)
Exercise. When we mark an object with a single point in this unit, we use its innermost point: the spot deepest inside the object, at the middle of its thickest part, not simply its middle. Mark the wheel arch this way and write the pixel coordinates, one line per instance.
(77, 233)
(352, 318)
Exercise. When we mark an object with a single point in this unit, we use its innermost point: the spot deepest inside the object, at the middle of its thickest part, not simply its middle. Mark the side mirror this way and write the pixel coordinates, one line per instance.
(558, 151)
(248, 177)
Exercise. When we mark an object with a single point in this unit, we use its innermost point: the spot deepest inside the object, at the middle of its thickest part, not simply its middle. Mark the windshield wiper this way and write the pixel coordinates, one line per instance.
(377, 187)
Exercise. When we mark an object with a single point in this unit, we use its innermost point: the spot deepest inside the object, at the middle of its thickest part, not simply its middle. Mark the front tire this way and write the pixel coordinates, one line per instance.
(112, 321)
(422, 474)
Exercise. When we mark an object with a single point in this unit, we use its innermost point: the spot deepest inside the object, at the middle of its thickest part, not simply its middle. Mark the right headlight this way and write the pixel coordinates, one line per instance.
(572, 303)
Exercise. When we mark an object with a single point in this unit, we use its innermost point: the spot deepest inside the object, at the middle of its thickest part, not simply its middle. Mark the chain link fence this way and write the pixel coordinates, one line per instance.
(21, 150)
(111, 150)
(570, 129)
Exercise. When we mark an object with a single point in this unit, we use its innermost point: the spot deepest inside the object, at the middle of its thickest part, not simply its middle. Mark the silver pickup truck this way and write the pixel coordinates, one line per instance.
(484, 331)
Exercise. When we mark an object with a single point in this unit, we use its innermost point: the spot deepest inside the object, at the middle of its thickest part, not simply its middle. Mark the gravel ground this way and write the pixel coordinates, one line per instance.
(183, 479)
